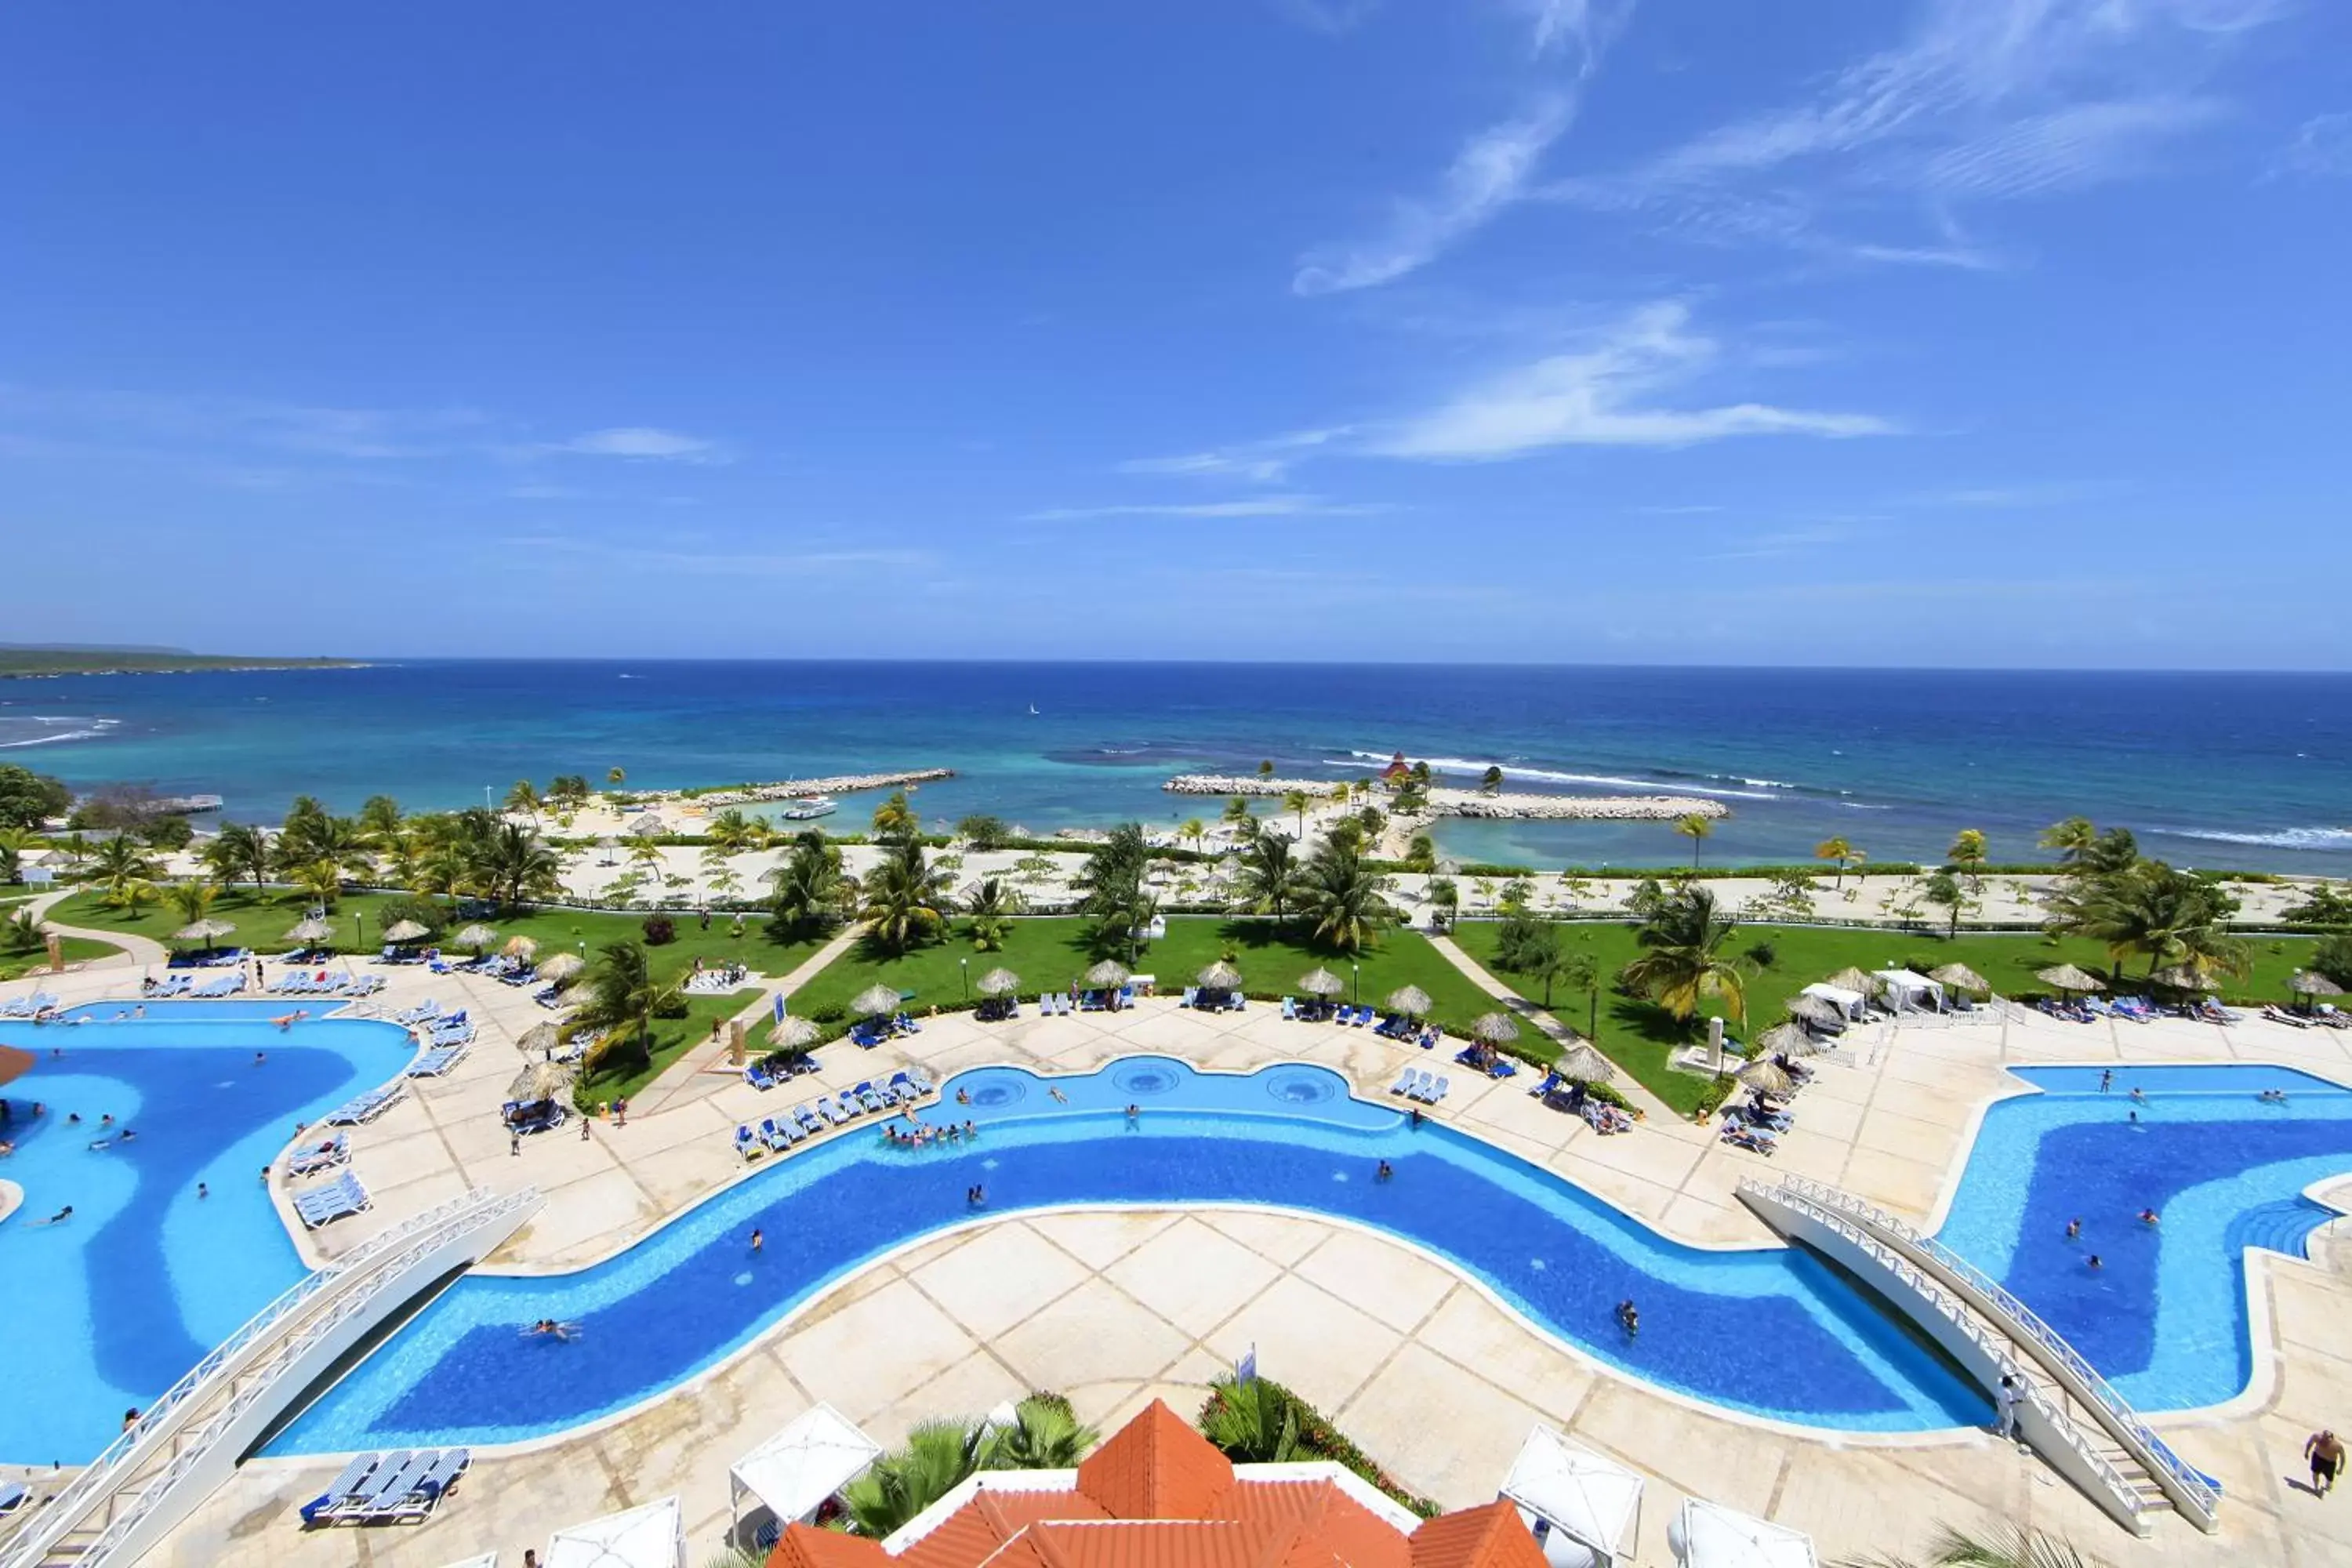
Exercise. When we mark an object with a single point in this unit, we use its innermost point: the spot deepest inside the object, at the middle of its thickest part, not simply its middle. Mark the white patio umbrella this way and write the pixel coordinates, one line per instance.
(649, 1537)
(796, 1472)
(1569, 1490)
(1709, 1535)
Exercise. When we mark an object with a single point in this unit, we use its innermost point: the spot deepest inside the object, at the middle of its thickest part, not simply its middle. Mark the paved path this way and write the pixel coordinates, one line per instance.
(1627, 1085)
(702, 1069)
(138, 952)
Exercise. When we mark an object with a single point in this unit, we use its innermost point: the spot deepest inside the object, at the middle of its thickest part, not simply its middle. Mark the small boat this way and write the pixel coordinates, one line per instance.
(1032, 710)
(808, 809)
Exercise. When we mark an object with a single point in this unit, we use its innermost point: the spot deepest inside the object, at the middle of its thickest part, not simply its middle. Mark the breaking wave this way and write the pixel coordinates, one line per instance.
(1465, 765)
(44, 730)
(2284, 838)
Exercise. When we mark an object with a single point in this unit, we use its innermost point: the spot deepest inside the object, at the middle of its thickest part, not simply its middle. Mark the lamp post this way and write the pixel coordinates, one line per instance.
(963, 973)
(1355, 981)
(359, 925)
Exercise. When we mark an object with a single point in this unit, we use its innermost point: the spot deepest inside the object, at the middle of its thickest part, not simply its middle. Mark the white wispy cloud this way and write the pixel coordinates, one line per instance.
(1259, 462)
(1285, 505)
(1486, 176)
(1608, 393)
(639, 443)
(2322, 147)
(167, 419)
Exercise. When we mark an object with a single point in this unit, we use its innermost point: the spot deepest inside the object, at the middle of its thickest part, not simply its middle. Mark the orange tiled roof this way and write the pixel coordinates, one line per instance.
(973, 1532)
(806, 1546)
(1492, 1536)
(1354, 1533)
(1156, 1467)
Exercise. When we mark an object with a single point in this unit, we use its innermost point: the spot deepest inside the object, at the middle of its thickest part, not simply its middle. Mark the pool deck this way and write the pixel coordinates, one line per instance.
(1114, 1310)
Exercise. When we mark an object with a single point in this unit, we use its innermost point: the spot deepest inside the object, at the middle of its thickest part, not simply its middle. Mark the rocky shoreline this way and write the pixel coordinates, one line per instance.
(785, 789)
(1474, 803)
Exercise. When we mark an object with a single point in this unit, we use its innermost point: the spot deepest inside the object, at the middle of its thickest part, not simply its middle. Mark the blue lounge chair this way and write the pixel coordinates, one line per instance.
(1289, 1011)
(869, 1097)
(339, 1199)
(775, 1136)
(309, 1162)
(809, 1121)
(367, 1107)
(353, 1494)
(922, 1080)
(757, 1078)
(341, 1488)
(1440, 1089)
(1403, 1084)
(436, 1061)
(426, 1494)
(390, 1483)
(12, 1497)
(748, 1144)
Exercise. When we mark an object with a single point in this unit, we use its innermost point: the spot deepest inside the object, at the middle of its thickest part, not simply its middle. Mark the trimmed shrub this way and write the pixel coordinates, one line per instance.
(660, 930)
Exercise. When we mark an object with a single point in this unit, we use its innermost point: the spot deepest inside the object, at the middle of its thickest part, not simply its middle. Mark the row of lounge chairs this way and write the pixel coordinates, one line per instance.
(2327, 1014)
(1481, 1058)
(760, 1077)
(31, 1006)
(1416, 1084)
(1565, 1094)
(873, 1031)
(807, 1119)
(366, 1107)
(438, 1059)
(2140, 1010)
(339, 1199)
(399, 1487)
(1207, 999)
(208, 958)
(324, 982)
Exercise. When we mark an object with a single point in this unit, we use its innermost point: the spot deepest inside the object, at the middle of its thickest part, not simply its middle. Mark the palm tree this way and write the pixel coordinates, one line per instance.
(120, 861)
(1682, 960)
(2072, 838)
(906, 899)
(1192, 829)
(191, 901)
(1296, 800)
(991, 905)
(320, 881)
(1967, 855)
(939, 1456)
(380, 821)
(1237, 810)
(811, 891)
(1943, 887)
(14, 842)
(617, 777)
(894, 818)
(1253, 1422)
(620, 996)
(1491, 781)
(1695, 826)
(1043, 1435)
(1579, 973)
(1842, 851)
(524, 797)
(1265, 769)
(2016, 1547)
(515, 866)
(645, 852)
(1270, 876)
(2168, 917)
(1342, 896)
(731, 831)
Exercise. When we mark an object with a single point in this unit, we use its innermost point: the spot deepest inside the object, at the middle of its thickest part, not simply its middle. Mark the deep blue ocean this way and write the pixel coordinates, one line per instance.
(2241, 770)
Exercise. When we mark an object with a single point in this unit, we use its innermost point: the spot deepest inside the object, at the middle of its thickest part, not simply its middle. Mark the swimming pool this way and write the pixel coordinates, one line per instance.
(197, 1010)
(108, 1309)
(691, 1294)
(2164, 1317)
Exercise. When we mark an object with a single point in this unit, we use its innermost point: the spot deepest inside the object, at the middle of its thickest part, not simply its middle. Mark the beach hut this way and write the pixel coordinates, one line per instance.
(1849, 1002)
(407, 930)
(1960, 977)
(1410, 1000)
(1708, 1535)
(1905, 992)
(875, 1002)
(804, 1467)
(653, 1536)
(2066, 977)
(1321, 981)
(1494, 1028)
(1584, 1508)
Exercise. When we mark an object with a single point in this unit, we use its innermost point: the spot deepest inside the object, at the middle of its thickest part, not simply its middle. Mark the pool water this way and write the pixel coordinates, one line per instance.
(198, 1010)
(106, 1311)
(2164, 1317)
(463, 1373)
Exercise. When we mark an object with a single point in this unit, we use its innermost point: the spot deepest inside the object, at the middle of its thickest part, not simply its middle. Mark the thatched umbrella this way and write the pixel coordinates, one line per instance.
(999, 983)
(520, 947)
(1767, 1075)
(1319, 982)
(792, 1032)
(408, 930)
(538, 1037)
(647, 826)
(1410, 1000)
(875, 1001)
(1494, 1028)
(1582, 1064)
(2066, 977)
(2311, 982)
(562, 967)
(1108, 974)
(1787, 1039)
(1814, 1010)
(478, 937)
(2180, 977)
(310, 931)
(543, 1080)
(1852, 979)
(203, 931)
(1960, 977)
(1220, 976)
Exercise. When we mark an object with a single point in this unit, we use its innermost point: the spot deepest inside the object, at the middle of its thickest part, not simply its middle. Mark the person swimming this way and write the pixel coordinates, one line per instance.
(548, 1329)
(2097, 1262)
(2139, 1095)
(2148, 1216)
(1384, 1173)
(60, 1217)
(2074, 1229)
(1629, 1317)
(2272, 1097)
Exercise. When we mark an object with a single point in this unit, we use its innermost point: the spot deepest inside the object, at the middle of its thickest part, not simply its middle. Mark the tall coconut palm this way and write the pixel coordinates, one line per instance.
(380, 821)
(2070, 839)
(120, 861)
(619, 997)
(811, 893)
(1696, 826)
(1967, 855)
(238, 851)
(190, 901)
(13, 844)
(906, 899)
(894, 818)
(1297, 801)
(731, 831)
(320, 881)
(2167, 917)
(514, 866)
(615, 777)
(524, 797)
(939, 1456)
(1192, 831)
(1341, 897)
(1682, 960)
(991, 907)
(1270, 874)
(1237, 811)
(1843, 852)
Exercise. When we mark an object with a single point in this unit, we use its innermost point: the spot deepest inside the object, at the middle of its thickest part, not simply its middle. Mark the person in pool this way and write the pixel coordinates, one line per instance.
(2139, 1095)
(2148, 1216)
(1629, 1317)
(2074, 1229)
(60, 1217)
(2272, 1097)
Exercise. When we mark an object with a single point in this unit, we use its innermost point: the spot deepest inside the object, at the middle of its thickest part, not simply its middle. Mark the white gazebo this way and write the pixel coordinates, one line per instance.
(1908, 992)
(1852, 1004)
(794, 1472)
(1585, 1510)
(653, 1536)
(1708, 1535)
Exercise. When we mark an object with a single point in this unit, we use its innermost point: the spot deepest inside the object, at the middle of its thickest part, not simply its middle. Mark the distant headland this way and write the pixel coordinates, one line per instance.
(34, 661)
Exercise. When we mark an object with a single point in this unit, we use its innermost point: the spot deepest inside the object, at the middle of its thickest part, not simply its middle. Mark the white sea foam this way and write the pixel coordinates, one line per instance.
(81, 728)
(2284, 838)
(1549, 775)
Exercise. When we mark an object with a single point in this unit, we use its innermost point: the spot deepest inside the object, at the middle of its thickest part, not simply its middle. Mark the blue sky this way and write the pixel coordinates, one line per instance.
(1900, 332)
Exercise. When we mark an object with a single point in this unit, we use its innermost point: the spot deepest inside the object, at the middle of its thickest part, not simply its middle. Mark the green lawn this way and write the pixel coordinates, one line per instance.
(1049, 954)
(76, 949)
(1639, 1037)
(262, 924)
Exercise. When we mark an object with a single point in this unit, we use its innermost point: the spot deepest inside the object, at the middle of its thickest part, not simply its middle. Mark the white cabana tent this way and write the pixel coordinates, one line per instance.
(1581, 1507)
(653, 1536)
(1905, 992)
(818, 1453)
(1708, 1535)
(1850, 1003)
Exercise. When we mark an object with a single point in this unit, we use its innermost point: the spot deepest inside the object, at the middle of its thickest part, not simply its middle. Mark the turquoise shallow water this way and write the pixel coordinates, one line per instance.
(2247, 769)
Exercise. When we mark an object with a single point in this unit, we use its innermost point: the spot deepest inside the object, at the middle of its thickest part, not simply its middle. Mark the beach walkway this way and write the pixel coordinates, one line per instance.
(1528, 1012)
(138, 952)
(701, 1070)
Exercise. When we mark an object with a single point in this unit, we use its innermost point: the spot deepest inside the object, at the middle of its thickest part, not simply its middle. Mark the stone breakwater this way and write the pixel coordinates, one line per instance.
(842, 784)
(1472, 802)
